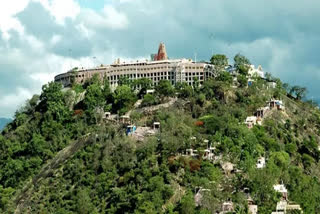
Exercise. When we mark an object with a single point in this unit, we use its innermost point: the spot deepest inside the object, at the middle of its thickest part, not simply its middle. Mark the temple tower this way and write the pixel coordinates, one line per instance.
(162, 53)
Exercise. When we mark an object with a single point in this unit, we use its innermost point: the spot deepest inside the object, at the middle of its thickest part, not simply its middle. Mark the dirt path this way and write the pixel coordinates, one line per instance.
(179, 192)
(21, 200)
(136, 105)
(157, 107)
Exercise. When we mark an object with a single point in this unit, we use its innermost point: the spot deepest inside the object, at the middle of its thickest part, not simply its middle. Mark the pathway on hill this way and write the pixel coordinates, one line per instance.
(157, 107)
(136, 105)
(179, 192)
(48, 169)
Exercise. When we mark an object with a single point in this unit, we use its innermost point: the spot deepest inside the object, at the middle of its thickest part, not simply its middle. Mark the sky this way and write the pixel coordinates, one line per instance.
(42, 38)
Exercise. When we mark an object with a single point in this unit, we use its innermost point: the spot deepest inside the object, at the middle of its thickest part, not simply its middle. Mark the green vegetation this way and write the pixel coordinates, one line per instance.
(219, 60)
(240, 60)
(113, 173)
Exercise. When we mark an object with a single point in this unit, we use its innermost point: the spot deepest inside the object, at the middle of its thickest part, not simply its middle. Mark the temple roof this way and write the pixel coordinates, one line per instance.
(162, 53)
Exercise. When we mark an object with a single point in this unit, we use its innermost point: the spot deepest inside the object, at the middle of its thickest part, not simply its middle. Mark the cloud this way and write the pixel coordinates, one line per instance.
(7, 20)
(62, 9)
(109, 18)
(41, 38)
(114, 19)
(15, 100)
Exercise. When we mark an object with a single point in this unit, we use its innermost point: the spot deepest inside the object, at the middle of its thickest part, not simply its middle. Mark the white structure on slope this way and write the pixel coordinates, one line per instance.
(256, 71)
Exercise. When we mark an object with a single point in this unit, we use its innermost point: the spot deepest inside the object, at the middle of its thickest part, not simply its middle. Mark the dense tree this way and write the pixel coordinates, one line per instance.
(52, 101)
(187, 204)
(225, 77)
(243, 81)
(240, 60)
(219, 60)
(299, 92)
(94, 102)
(149, 100)
(124, 80)
(95, 79)
(84, 205)
(94, 97)
(124, 98)
(243, 69)
(164, 88)
(143, 84)
(184, 90)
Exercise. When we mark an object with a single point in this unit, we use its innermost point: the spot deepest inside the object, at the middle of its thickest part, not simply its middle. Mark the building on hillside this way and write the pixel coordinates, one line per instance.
(131, 129)
(283, 190)
(256, 71)
(227, 167)
(252, 71)
(150, 91)
(260, 113)
(209, 153)
(276, 104)
(192, 152)
(199, 196)
(271, 84)
(160, 68)
(252, 208)
(283, 207)
(251, 121)
(261, 163)
(125, 119)
(227, 207)
(156, 125)
(293, 207)
(107, 115)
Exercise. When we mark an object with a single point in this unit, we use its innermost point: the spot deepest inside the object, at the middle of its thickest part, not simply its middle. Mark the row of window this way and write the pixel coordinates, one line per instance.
(190, 78)
(193, 74)
(193, 68)
(152, 68)
(140, 69)
(140, 75)
(143, 69)
(153, 78)
(154, 74)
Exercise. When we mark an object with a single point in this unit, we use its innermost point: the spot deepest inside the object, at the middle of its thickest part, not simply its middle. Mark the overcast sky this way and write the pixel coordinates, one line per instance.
(41, 38)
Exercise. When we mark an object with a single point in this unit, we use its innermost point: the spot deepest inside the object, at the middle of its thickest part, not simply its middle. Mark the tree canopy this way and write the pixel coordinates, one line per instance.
(219, 60)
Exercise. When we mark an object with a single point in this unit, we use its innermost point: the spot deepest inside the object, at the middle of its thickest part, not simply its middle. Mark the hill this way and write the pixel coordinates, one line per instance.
(180, 149)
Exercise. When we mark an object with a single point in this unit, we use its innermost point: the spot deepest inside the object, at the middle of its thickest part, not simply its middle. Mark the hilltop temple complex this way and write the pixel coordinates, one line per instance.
(160, 67)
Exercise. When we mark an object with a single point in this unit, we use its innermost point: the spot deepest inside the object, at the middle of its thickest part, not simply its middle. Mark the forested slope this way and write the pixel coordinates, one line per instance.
(110, 172)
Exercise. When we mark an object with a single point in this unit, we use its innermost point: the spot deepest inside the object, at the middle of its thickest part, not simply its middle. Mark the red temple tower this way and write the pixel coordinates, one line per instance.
(162, 53)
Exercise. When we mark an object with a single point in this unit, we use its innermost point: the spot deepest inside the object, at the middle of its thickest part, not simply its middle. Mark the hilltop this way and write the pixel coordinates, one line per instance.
(144, 148)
